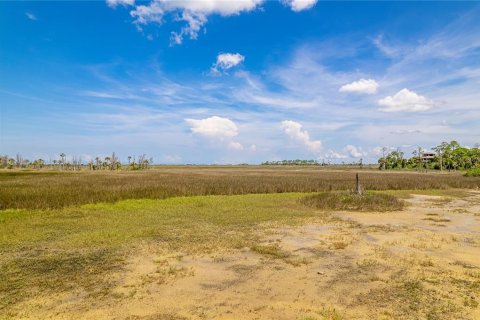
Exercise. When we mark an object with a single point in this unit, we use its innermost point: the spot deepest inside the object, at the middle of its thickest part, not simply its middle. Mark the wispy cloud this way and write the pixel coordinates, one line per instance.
(31, 16)
(194, 13)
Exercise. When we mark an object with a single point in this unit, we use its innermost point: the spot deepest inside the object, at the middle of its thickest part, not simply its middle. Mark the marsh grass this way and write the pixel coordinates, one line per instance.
(46, 189)
(353, 202)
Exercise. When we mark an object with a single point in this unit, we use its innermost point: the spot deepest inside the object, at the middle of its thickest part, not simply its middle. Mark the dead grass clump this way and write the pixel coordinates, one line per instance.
(354, 202)
(437, 219)
(270, 250)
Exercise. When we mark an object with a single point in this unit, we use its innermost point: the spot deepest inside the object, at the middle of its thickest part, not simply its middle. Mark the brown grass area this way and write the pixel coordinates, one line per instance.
(50, 189)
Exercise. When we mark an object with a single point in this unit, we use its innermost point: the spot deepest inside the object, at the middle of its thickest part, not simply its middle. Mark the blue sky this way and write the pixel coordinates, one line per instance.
(237, 81)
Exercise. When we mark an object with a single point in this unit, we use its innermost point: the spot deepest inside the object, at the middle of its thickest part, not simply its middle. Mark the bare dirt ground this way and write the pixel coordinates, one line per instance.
(419, 263)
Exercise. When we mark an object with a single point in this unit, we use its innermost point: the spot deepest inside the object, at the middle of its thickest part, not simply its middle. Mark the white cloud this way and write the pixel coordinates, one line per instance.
(227, 61)
(379, 151)
(367, 86)
(213, 127)
(114, 3)
(334, 155)
(193, 12)
(145, 14)
(405, 100)
(294, 130)
(355, 152)
(235, 145)
(300, 5)
(31, 16)
(405, 131)
(222, 7)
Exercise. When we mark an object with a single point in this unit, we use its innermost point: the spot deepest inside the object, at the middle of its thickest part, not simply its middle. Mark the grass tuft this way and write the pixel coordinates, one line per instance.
(353, 202)
(270, 250)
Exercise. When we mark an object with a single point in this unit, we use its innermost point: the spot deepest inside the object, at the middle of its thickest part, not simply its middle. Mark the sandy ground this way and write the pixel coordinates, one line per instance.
(420, 263)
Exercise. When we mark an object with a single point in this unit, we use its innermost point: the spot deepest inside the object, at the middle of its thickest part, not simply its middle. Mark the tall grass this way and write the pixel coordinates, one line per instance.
(60, 189)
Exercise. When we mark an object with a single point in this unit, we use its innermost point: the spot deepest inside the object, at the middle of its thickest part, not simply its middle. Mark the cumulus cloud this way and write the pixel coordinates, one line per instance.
(294, 130)
(213, 127)
(355, 152)
(405, 100)
(300, 5)
(193, 12)
(235, 145)
(114, 3)
(31, 16)
(227, 61)
(367, 86)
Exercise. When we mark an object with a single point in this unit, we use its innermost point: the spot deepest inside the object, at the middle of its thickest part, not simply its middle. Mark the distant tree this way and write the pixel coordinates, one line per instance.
(114, 162)
(97, 163)
(11, 163)
(18, 160)
(62, 160)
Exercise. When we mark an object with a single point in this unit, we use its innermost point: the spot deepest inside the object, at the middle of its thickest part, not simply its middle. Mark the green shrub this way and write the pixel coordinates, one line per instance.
(473, 173)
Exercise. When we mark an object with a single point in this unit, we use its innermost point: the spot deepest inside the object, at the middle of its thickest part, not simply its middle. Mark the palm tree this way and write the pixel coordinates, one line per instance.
(62, 156)
(97, 163)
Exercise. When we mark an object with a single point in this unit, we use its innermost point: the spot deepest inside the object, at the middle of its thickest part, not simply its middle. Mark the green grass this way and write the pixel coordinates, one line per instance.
(78, 247)
(353, 202)
(50, 189)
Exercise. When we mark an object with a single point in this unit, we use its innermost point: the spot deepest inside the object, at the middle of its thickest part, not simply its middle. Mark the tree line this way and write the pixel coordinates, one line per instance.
(299, 162)
(446, 156)
(75, 163)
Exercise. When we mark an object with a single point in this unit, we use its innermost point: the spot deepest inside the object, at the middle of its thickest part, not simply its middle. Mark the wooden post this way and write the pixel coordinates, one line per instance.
(358, 188)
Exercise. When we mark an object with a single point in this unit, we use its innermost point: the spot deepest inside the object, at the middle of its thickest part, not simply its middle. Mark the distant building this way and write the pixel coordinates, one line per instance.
(428, 156)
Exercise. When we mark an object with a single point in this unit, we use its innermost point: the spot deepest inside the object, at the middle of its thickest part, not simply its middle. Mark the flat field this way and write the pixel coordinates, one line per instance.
(238, 243)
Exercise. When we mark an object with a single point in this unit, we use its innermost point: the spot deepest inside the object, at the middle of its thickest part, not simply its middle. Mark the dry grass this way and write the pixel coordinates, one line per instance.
(47, 189)
(351, 201)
